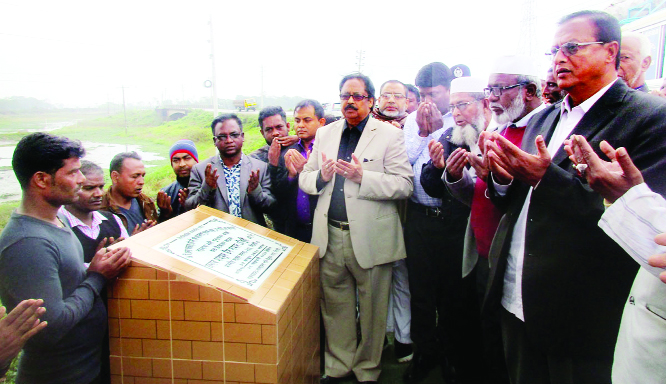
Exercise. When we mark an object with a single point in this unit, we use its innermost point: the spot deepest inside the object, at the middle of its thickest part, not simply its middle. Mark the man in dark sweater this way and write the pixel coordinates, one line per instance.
(183, 155)
(94, 229)
(40, 257)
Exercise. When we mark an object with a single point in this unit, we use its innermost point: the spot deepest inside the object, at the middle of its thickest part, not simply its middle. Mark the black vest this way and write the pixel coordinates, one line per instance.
(108, 228)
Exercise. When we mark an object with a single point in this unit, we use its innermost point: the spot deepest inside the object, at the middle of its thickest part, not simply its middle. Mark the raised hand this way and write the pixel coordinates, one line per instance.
(143, 226)
(164, 203)
(18, 326)
(110, 262)
(211, 176)
(253, 182)
(456, 162)
(294, 162)
(610, 178)
(352, 171)
(182, 196)
(274, 152)
(508, 161)
(327, 168)
(436, 151)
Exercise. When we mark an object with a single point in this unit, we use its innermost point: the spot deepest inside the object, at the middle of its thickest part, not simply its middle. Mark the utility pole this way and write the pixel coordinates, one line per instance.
(212, 59)
(360, 55)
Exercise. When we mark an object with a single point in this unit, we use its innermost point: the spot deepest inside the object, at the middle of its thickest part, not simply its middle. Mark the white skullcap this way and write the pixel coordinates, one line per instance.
(468, 85)
(515, 65)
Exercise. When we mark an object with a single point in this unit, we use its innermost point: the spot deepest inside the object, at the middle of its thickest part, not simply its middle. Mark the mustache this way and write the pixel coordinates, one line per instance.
(349, 106)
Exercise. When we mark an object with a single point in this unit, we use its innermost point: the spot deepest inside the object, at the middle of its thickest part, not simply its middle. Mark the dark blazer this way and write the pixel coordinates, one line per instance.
(575, 278)
(286, 193)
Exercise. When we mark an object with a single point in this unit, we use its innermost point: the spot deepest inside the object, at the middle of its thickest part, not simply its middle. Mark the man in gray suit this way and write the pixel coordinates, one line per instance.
(231, 181)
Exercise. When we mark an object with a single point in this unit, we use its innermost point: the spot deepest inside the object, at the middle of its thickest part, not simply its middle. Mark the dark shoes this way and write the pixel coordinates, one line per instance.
(403, 352)
(420, 368)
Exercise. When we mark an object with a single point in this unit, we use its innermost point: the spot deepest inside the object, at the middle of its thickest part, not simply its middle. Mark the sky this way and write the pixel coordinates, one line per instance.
(84, 53)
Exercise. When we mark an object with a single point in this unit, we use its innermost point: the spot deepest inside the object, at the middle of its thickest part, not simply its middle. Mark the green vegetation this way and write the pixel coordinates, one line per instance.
(144, 128)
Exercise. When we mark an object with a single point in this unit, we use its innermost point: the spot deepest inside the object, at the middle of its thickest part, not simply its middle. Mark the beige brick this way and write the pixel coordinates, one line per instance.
(229, 312)
(187, 369)
(242, 333)
(229, 298)
(163, 329)
(140, 329)
(131, 347)
(131, 289)
(203, 311)
(206, 350)
(209, 294)
(183, 290)
(247, 313)
(134, 366)
(216, 332)
(156, 348)
(177, 310)
(259, 353)
(213, 370)
(265, 373)
(114, 328)
(138, 273)
(268, 334)
(159, 290)
(150, 309)
(190, 330)
(182, 349)
(235, 352)
(239, 372)
(114, 365)
(162, 368)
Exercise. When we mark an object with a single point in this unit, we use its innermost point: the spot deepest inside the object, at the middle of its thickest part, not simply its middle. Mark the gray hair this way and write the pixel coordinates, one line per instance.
(645, 48)
(530, 80)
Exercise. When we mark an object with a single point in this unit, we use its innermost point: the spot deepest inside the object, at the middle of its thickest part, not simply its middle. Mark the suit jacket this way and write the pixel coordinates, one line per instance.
(372, 210)
(252, 205)
(575, 278)
(286, 194)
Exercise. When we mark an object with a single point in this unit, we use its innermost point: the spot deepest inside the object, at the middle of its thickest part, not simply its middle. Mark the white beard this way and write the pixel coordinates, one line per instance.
(391, 113)
(512, 113)
(468, 134)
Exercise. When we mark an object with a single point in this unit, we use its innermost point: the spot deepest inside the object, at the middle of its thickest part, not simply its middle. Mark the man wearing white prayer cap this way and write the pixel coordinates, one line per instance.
(447, 167)
(514, 89)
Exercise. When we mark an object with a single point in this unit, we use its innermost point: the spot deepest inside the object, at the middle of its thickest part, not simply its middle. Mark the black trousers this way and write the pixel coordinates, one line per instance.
(444, 306)
(528, 364)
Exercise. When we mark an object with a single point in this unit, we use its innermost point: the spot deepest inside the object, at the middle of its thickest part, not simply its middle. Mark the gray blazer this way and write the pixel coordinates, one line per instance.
(252, 204)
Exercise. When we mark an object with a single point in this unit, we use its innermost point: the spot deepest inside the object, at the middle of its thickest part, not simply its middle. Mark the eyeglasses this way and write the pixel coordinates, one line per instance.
(497, 91)
(397, 96)
(461, 106)
(355, 96)
(224, 137)
(570, 48)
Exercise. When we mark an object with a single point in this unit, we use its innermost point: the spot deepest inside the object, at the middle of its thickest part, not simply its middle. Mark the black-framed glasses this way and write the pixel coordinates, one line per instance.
(570, 48)
(397, 96)
(461, 106)
(497, 91)
(355, 96)
(224, 137)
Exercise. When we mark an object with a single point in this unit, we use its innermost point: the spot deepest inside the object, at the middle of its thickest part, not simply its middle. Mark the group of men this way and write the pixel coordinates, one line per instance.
(475, 218)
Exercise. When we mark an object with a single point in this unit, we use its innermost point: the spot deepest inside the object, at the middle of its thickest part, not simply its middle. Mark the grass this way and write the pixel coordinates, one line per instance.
(145, 129)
